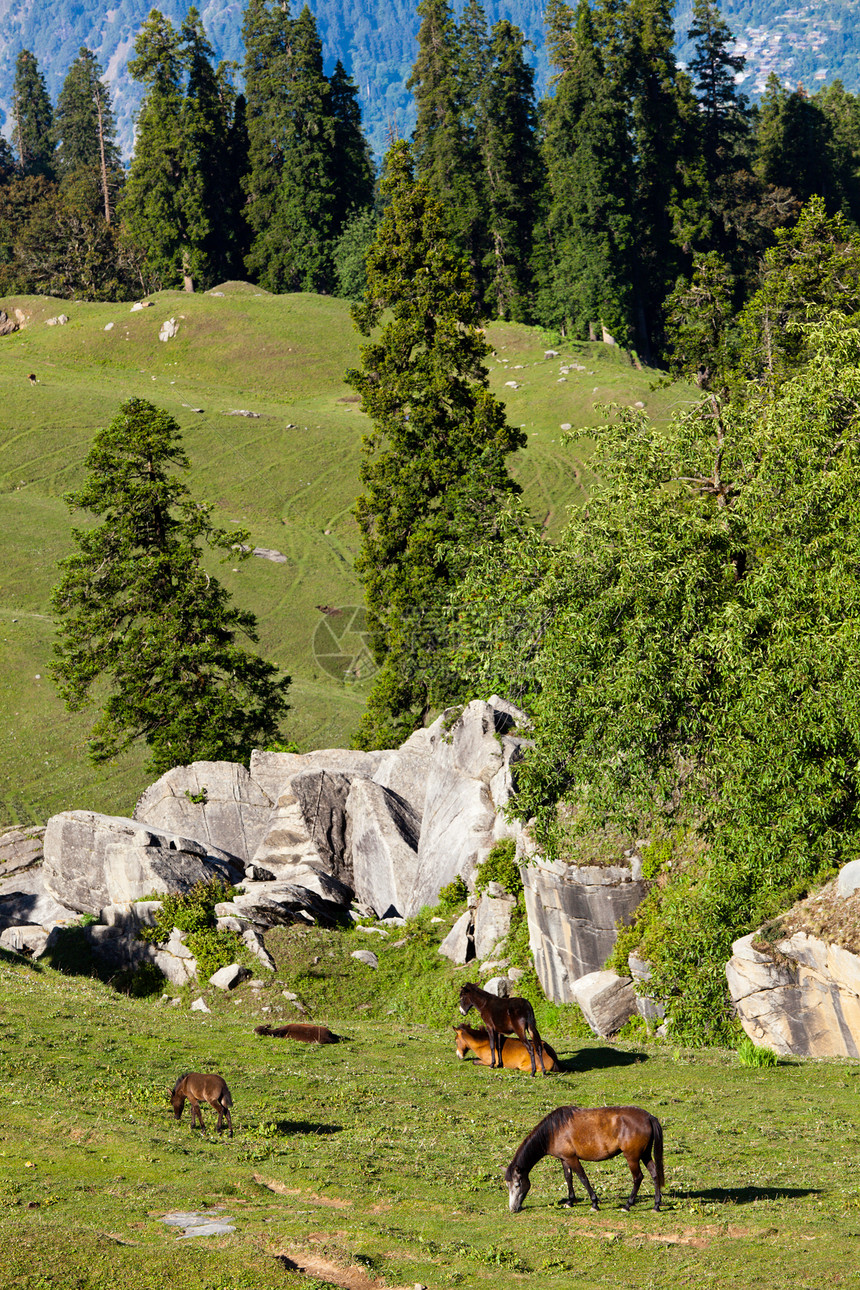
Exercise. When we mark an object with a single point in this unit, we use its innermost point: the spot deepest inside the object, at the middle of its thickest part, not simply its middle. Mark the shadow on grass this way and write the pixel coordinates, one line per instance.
(289, 1127)
(599, 1059)
(744, 1195)
(19, 960)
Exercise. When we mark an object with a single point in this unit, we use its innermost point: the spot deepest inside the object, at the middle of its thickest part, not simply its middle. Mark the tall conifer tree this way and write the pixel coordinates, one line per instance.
(33, 118)
(434, 475)
(84, 127)
(585, 252)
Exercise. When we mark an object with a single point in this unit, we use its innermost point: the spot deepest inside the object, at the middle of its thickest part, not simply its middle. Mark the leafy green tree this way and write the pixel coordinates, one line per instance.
(699, 316)
(84, 127)
(350, 254)
(434, 475)
(793, 143)
(33, 116)
(811, 270)
(140, 618)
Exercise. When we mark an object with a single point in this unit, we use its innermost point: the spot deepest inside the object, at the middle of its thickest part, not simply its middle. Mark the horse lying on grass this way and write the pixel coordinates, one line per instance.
(301, 1030)
(515, 1055)
(512, 1016)
(572, 1135)
(199, 1088)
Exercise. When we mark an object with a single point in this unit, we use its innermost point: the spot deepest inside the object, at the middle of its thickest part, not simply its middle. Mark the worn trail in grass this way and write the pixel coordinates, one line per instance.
(381, 1157)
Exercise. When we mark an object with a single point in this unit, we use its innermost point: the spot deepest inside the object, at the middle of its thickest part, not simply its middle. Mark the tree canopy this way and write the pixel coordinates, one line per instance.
(144, 630)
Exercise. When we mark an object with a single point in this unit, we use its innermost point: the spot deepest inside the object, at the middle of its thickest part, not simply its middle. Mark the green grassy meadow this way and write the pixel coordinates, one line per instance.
(290, 475)
(377, 1162)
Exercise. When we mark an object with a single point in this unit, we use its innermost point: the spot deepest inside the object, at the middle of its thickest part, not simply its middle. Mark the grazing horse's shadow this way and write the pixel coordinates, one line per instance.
(743, 1195)
(288, 1127)
(598, 1059)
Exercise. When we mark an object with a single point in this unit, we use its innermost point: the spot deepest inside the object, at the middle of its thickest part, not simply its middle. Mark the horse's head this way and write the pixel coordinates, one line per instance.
(462, 1045)
(177, 1101)
(466, 999)
(518, 1187)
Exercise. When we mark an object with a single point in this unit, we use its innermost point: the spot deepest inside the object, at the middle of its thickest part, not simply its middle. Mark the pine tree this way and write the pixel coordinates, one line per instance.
(136, 610)
(446, 147)
(33, 118)
(585, 249)
(793, 141)
(434, 475)
(352, 165)
(290, 184)
(84, 127)
(713, 67)
(511, 172)
(174, 203)
(150, 208)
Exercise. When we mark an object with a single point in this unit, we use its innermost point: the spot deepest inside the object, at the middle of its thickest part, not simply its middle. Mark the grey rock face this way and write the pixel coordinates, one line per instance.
(94, 860)
(385, 832)
(367, 957)
(231, 813)
(572, 913)
(501, 986)
(492, 922)
(270, 904)
(29, 902)
(273, 771)
(848, 880)
(807, 1004)
(459, 945)
(607, 1001)
(20, 849)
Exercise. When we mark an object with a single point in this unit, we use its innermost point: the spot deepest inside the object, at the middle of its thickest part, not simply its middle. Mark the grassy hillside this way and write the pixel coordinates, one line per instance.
(289, 474)
(376, 1163)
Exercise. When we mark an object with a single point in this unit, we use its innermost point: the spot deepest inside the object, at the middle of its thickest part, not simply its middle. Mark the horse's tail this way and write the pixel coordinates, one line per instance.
(226, 1097)
(657, 1140)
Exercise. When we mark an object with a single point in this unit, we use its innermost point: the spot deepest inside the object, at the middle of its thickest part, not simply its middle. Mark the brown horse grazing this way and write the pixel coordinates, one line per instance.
(513, 1016)
(202, 1088)
(572, 1135)
(307, 1033)
(515, 1056)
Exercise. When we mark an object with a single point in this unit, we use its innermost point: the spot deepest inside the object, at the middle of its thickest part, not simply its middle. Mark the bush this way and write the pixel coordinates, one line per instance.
(500, 866)
(453, 894)
(192, 912)
(749, 1054)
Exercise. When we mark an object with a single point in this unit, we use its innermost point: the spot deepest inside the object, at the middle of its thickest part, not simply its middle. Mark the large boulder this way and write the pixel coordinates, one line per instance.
(459, 945)
(385, 864)
(20, 849)
(216, 803)
(573, 913)
(93, 860)
(607, 1001)
(273, 771)
(309, 826)
(800, 997)
(492, 920)
(460, 823)
(26, 901)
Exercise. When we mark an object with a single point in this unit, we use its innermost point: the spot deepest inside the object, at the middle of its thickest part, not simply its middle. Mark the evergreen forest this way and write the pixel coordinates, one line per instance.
(687, 647)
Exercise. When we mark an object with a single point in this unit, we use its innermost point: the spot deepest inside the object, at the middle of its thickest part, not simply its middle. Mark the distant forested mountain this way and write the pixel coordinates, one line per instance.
(376, 40)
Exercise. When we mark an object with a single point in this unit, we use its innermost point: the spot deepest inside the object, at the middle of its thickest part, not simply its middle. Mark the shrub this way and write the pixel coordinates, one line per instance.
(453, 894)
(500, 866)
(749, 1054)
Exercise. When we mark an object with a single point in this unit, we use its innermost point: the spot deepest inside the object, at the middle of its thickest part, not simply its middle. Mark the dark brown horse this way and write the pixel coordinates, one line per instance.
(199, 1088)
(572, 1135)
(302, 1030)
(515, 1056)
(513, 1016)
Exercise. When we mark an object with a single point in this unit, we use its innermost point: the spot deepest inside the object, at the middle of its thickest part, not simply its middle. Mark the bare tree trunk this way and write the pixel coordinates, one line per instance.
(105, 194)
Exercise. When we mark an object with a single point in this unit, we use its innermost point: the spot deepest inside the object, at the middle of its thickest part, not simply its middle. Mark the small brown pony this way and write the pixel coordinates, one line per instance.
(513, 1016)
(572, 1135)
(515, 1056)
(301, 1030)
(202, 1088)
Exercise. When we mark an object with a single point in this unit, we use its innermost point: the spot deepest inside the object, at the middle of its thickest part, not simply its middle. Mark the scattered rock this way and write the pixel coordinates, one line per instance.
(500, 986)
(367, 957)
(458, 945)
(141, 304)
(59, 321)
(243, 412)
(227, 978)
(169, 328)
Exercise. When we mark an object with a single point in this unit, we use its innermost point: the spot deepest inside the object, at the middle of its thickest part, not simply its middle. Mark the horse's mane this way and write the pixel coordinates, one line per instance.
(183, 1076)
(534, 1145)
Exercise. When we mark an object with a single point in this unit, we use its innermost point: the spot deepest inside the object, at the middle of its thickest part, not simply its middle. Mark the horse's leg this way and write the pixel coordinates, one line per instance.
(652, 1169)
(576, 1165)
(568, 1178)
(636, 1171)
(196, 1114)
(229, 1120)
(494, 1040)
(216, 1106)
